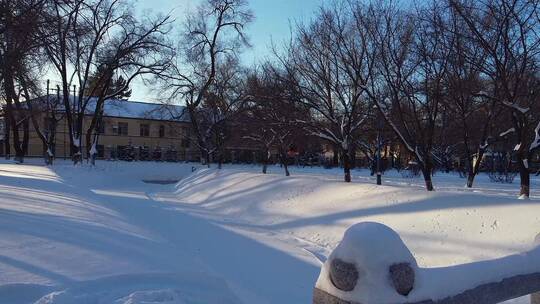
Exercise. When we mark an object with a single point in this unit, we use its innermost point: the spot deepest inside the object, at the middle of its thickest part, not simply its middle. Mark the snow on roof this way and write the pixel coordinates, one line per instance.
(133, 109)
(144, 110)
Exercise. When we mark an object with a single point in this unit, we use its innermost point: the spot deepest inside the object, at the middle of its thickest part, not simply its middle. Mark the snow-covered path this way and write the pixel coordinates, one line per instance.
(100, 235)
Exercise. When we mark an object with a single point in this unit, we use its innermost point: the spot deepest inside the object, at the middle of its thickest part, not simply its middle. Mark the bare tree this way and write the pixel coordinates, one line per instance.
(470, 112)
(329, 63)
(48, 109)
(91, 43)
(57, 35)
(408, 89)
(272, 117)
(257, 121)
(137, 49)
(507, 30)
(20, 19)
(213, 34)
(226, 99)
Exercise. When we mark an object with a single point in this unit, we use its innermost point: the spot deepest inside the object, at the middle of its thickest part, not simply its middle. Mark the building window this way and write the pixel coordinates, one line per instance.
(172, 132)
(145, 130)
(122, 128)
(185, 142)
(162, 131)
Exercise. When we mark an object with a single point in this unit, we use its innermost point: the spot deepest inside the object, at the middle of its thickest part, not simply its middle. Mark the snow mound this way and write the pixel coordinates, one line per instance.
(373, 248)
(152, 288)
(66, 297)
(166, 296)
(157, 296)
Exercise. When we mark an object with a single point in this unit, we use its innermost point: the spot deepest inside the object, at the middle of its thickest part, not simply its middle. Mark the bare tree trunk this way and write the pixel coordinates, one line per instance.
(524, 177)
(19, 153)
(26, 136)
(335, 156)
(474, 168)
(471, 173)
(47, 153)
(286, 167)
(93, 151)
(220, 150)
(283, 158)
(90, 136)
(78, 152)
(220, 159)
(10, 92)
(346, 166)
(470, 179)
(519, 122)
(265, 161)
(7, 137)
(427, 170)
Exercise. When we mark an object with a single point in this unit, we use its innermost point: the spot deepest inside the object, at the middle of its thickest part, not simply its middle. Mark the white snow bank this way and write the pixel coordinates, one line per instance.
(313, 208)
(450, 226)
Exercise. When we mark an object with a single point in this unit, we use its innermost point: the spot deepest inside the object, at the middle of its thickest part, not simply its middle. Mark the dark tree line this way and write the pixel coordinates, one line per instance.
(450, 79)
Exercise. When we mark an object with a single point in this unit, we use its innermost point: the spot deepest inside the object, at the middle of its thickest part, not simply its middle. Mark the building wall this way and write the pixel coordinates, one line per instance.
(176, 135)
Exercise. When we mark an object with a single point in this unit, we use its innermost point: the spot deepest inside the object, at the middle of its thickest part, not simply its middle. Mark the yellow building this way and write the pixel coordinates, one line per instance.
(129, 129)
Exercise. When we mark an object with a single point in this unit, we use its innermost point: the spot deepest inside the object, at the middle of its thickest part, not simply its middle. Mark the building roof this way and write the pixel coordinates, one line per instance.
(142, 110)
(132, 109)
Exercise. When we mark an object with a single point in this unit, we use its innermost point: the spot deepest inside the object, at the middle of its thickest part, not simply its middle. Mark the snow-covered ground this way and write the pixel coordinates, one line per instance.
(101, 235)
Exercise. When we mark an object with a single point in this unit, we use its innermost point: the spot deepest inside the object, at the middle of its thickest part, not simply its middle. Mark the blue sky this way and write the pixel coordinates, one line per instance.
(271, 18)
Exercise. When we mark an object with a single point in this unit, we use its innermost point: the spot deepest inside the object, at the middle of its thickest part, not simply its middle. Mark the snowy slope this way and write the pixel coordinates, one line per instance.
(450, 226)
(445, 227)
(100, 235)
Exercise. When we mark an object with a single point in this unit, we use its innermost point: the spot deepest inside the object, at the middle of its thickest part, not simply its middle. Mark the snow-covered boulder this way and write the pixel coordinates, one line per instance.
(370, 265)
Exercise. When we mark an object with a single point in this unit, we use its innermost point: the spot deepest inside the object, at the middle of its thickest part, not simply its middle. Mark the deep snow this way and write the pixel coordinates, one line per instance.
(101, 235)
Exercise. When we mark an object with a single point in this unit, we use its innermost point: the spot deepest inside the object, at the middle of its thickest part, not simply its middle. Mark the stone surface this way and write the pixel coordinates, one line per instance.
(497, 292)
(322, 297)
(402, 276)
(535, 298)
(343, 275)
(490, 293)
